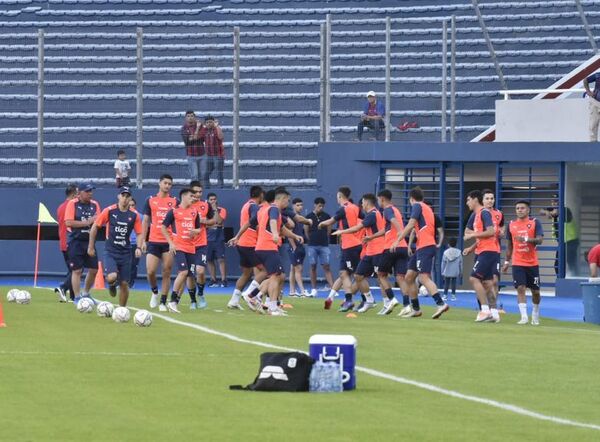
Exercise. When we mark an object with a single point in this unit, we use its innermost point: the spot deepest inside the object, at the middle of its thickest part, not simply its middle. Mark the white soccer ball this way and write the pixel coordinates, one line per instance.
(23, 297)
(11, 296)
(423, 291)
(121, 314)
(143, 318)
(85, 305)
(105, 309)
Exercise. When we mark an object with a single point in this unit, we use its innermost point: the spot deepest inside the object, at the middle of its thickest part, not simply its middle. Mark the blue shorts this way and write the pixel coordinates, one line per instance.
(320, 254)
(350, 259)
(119, 263)
(271, 260)
(297, 255)
(157, 248)
(78, 256)
(527, 276)
(200, 256)
(184, 261)
(215, 250)
(368, 265)
(248, 258)
(394, 262)
(484, 266)
(422, 260)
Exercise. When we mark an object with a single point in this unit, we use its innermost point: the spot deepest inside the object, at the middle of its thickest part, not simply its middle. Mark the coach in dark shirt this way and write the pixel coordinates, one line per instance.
(318, 244)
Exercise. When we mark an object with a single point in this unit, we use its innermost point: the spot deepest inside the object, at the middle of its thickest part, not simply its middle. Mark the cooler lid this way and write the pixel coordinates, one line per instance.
(333, 339)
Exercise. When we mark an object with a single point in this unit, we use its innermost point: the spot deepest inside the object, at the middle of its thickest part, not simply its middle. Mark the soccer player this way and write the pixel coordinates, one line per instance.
(61, 290)
(297, 253)
(80, 214)
(184, 222)
(156, 245)
(481, 228)
(120, 222)
(318, 244)
(351, 244)
(373, 223)
(207, 218)
(422, 221)
(246, 241)
(524, 235)
(216, 244)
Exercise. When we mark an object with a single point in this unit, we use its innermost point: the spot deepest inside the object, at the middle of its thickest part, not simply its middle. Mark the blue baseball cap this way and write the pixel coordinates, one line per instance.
(86, 187)
(124, 189)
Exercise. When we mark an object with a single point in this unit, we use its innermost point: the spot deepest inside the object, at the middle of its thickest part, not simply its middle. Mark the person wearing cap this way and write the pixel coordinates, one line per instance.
(80, 214)
(194, 146)
(570, 239)
(372, 116)
(120, 222)
(212, 137)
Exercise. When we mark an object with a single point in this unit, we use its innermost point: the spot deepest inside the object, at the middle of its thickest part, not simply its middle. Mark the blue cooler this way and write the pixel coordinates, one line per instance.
(336, 348)
(590, 294)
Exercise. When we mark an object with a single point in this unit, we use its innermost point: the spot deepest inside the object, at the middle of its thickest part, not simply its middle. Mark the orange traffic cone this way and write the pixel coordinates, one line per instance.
(99, 281)
(2, 323)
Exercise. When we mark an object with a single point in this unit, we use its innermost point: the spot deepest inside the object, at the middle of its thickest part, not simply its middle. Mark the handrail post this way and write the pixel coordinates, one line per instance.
(444, 78)
(388, 76)
(328, 78)
(453, 79)
(586, 26)
(490, 46)
(236, 109)
(139, 102)
(40, 111)
(323, 90)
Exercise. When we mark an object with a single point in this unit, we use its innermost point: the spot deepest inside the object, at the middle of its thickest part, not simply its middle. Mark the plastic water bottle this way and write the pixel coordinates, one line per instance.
(325, 377)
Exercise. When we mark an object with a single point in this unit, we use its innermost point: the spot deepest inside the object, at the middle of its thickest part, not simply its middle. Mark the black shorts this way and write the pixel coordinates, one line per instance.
(394, 262)
(527, 276)
(248, 258)
(200, 256)
(157, 248)
(119, 263)
(350, 259)
(368, 265)
(271, 260)
(297, 255)
(215, 250)
(485, 265)
(78, 256)
(184, 261)
(422, 260)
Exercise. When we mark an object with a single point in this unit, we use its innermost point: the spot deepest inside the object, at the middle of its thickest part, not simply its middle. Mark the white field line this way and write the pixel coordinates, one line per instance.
(490, 402)
(84, 353)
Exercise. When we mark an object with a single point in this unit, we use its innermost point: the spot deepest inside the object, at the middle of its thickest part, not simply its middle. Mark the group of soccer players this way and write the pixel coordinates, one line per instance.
(374, 240)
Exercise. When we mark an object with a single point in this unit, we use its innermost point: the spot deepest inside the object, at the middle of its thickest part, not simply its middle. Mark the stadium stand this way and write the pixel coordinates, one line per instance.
(90, 76)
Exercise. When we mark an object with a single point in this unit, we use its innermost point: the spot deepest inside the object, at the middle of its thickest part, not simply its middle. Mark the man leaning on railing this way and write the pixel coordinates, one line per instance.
(594, 103)
(194, 147)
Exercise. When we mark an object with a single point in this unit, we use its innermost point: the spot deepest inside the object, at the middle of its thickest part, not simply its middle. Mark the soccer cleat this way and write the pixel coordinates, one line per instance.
(307, 294)
(346, 306)
(253, 303)
(495, 320)
(234, 306)
(313, 294)
(358, 306)
(535, 320)
(162, 308)
(413, 314)
(328, 303)
(202, 302)
(112, 290)
(293, 295)
(277, 312)
(389, 307)
(193, 306)
(62, 297)
(223, 284)
(440, 311)
(444, 298)
(172, 306)
(524, 320)
(76, 299)
(213, 284)
(366, 307)
(483, 316)
(382, 311)
(154, 300)
(453, 298)
(405, 311)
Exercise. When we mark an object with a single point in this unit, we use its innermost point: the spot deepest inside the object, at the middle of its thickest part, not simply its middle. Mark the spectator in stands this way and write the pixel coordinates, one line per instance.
(594, 103)
(570, 238)
(372, 116)
(216, 244)
(122, 168)
(212, 136)
(65, 287)
(194, 147)
(593, 258)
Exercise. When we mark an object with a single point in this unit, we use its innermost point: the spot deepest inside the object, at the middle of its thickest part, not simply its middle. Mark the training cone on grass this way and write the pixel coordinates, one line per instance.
(2, 323)
(99, 281)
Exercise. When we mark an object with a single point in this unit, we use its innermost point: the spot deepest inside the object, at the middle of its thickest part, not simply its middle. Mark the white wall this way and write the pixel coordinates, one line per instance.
(542, 120)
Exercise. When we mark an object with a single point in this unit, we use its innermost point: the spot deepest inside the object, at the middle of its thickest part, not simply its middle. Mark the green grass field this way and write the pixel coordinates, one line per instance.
(68, 376)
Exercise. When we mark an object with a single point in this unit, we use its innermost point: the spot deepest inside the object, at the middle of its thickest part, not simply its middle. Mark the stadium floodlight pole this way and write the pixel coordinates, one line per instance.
(453, 78)
(328, 78)
(586, 26)
(322, 83)
(444, 77)
(388, 76)
(490, 46)
(139, 107)
(40, 110)
(236, 109)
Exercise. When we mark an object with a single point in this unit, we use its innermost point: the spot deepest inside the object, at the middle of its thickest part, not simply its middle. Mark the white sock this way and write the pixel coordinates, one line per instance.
(523, 309)
(272, 305)
(485, 308)
(495, 313)
(332, 294)
(369, 297)
(536, 310)
(253, 285)
(236, 296)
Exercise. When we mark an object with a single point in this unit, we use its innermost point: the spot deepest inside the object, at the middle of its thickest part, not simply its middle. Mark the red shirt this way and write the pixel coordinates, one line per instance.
(62, 226)
(479, 222)
(524, 253)
(391, 234)
(249, 210)
(182, 221)
(157, 208)
(213, 144)
(205, 211)
(374, 223)
(425, 224)
(193, 148)
(264, 241)
(594, 255)
(347, 216)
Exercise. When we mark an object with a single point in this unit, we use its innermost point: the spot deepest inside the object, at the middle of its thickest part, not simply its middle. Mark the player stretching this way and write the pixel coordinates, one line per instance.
(185, 226)
(422, 220)
(346, 217)
(157, 247)
(120, 222)
(524, 235)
